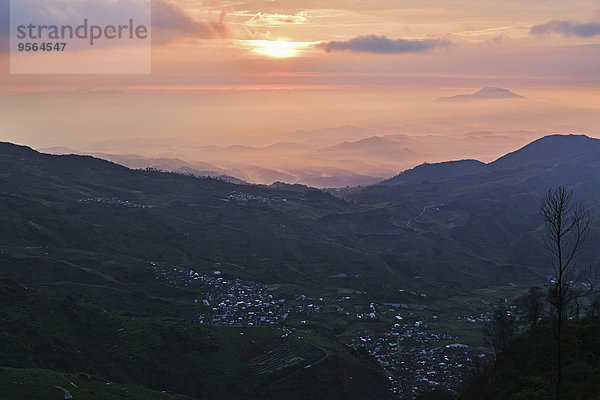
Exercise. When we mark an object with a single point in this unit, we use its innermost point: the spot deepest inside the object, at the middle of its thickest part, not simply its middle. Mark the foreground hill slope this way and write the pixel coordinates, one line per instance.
(525, 370)
(50, 344)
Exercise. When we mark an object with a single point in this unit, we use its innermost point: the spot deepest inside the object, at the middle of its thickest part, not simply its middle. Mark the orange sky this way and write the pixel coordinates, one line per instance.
(253, 72)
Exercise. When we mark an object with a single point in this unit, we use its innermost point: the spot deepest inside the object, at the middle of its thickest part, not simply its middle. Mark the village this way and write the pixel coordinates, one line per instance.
(415, 362)
(414, 357)
(238, 302)
(245, 197)
(114, 201)
(235, 302)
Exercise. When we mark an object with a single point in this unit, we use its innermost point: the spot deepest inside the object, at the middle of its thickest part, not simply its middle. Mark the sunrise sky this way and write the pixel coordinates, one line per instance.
(257, 73)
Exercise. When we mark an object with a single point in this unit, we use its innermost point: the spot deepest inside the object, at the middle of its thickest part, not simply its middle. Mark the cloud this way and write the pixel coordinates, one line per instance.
(383, 45)
(567, 28)
(501, 39)
(169, 21)
(267, 19)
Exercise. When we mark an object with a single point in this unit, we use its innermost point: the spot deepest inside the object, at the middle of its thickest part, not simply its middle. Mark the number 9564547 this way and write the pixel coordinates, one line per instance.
(45, 46)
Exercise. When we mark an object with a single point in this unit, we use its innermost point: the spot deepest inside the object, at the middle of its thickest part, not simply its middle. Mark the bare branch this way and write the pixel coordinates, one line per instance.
(567, 226)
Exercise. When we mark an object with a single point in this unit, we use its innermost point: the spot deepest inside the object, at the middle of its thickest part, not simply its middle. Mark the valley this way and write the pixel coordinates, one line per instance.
(391, 282)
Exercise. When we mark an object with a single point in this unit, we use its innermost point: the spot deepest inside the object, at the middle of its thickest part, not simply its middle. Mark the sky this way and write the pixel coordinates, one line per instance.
(232, 79)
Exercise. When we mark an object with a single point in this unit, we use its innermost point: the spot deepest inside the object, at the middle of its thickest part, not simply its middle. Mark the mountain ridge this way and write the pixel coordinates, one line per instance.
(548, 148)
(486, 93)
(543, 151)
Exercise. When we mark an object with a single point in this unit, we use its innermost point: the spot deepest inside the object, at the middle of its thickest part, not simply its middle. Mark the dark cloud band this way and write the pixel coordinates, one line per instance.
(383, 45)
(567, 28)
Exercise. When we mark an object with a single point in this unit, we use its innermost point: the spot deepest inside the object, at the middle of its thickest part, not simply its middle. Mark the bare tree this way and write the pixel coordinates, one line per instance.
(594, 307)
(567, 226)
(500, 330)
(531, 305)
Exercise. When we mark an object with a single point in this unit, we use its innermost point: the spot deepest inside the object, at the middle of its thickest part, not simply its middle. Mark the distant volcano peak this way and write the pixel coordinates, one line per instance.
(486, 93)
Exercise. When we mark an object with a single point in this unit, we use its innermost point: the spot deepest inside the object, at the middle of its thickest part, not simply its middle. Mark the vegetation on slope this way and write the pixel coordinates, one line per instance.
(49, 342)
(526, 369)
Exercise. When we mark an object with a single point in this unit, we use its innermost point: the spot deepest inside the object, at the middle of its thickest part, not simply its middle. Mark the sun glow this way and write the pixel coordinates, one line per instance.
(278, 48)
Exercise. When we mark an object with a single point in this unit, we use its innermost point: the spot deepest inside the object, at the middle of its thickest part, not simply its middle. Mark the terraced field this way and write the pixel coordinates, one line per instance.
(141, 342)
(287, 354)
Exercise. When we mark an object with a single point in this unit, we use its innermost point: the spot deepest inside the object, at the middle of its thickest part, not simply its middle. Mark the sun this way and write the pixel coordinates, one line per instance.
(277, 48)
